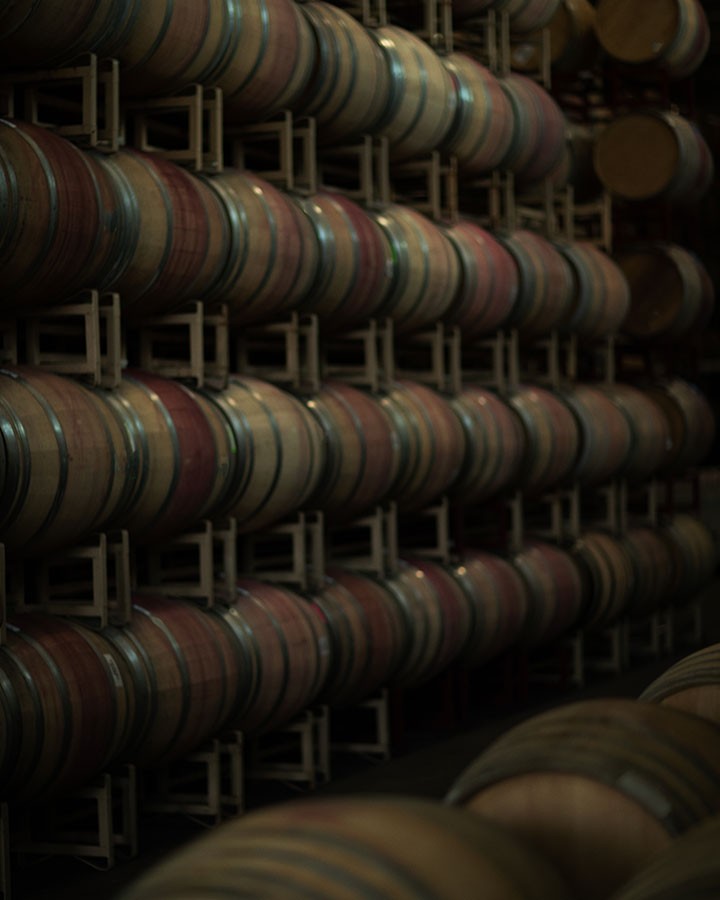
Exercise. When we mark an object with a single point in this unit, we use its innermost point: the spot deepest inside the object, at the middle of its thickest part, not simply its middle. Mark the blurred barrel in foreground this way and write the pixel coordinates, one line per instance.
(692, 685)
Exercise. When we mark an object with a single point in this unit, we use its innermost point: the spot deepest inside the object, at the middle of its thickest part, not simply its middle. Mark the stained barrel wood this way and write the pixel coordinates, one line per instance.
(495, 445)
(609, 581)
(350, 88)
(552, 438)
(691, 420)
(605, 434)
(362, 457)
(672, 35)
(423, 98)
(431, 442)
(671, 293)
(651, 438)
(340, 847)
(600, 787)
(273, 249)
(654, 571)
(280, 448)
(355, 267)
(573, 43)
(367, 636)
(489, 281)
(426, 271)
(691, 685)
(601, 296)
(500, 601)
(655, 154)
(482, 132)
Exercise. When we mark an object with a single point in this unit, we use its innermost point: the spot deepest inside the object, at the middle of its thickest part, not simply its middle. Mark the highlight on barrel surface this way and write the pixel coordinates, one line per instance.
(348, 846)
(691, 685)
(600, 787)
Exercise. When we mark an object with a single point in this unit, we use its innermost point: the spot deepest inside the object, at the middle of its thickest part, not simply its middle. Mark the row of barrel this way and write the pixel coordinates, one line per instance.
(73, 701)
(608, 799)
(134, 223)
(156, 457)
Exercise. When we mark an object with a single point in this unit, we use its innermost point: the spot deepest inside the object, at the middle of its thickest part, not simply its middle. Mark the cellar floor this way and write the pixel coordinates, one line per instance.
(432, 745)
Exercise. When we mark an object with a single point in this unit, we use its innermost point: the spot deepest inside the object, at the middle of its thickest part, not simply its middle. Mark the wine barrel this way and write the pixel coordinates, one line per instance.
(349, 847)
(538, 144)
(671, 293)
(555, 592)
(689, 870)
(178, 456)
(288, 639)
(430, 439)
(227, 465)
(349, 90)
(361, 451)
(367, 636)
(355, 261)
(605, 434)
(500, 602)
(552, 438)
(482, 131)
(654, 571)
(651, 439)
(691, 420)
(426, 274)
(672, 35)
(600, 787)
(494, 441)
(62, 221)
(601, 296)
(609, 581)
(280, 449)
(67, 715)
(691, 685)
(273, 250)
(423, 98)
(175, 242)
(573, 43)
(489, 281)
(546, 295)
(60, 467)
(698, 554)
(654, 154)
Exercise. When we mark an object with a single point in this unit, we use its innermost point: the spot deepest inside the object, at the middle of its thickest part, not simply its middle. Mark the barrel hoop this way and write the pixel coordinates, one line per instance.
(265, 21)
(245, 638)
(14, 712)
(134, 441)
(360, 433)
(126, 226)
(143, 677)
(10, 225)
(17, 458)
(243, 437)
(277, 628)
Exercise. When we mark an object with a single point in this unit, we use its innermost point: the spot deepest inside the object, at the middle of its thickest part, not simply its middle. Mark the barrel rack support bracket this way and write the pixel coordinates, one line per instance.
(433, 357)
(364, 357)
(282, 150)
(429, 184)
(285, 353)
(297, 753)
(378, 745)
(360, 171)
(437, 517)
(368, 544)
(483, 363)
(80, 102)
(291, 553)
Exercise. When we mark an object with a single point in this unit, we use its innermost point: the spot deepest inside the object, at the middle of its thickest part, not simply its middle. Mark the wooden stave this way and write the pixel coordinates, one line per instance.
(605, 434)
(602, 294)
(665, 755)
(651, 438)
(654, 571)
(691, 420)
(611, 578)
(573, 43)
(690, 685)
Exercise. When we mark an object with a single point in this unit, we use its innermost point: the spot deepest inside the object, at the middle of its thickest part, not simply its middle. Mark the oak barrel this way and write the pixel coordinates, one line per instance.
(691, 685)
(609, 578)
(654, 571)
(691, 420)
(601, 294)
(605, 434)
(573, 42)
(697, 553)
(651, 438)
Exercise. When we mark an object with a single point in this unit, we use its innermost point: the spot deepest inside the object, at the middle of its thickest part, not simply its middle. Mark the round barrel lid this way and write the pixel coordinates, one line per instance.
(637, 31)
(637, 156)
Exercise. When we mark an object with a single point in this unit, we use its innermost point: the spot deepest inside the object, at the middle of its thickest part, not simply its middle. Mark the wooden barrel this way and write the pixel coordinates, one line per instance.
(489, 281)
(538, 144)
(59, 462)
(349, 90)
(599, 787)
(280, 449)
(672, 35)
(62, 222)
(482, 132)
(609, 578)
(573, 43)
(227, 465)
(552, 438)
(500, 601)
(362, 455)
(555, 592)
(423, 98)
(494, 442)
(654, 154)
(289, 641)
(691, 420)
(654, 571)
(697, 549)
(545, 298)
(605, 434)
(273, 249)
(426, 273)
(176, 237)
(601, 296)
(690, 870)
(367, 636)
(183, 665)
(178, 457)
(691, 685)
(350, 847)
(67, 713)
(671, 294)
(355, 261)
(651, 438)
(430, 439)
